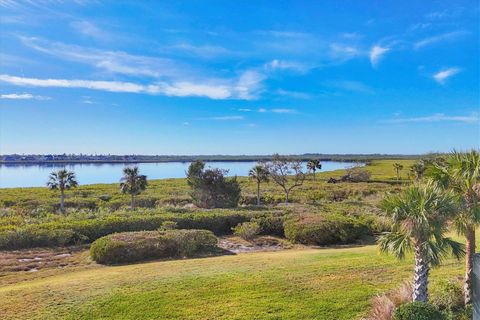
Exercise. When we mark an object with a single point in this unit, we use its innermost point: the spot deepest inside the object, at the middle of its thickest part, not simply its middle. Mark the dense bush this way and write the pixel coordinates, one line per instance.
(247, 230)
(417, 311)
(62, 233)
(271, 224)
(448, 296)
(325, 229)
(137, 246)
(356, 174)
(210, 187)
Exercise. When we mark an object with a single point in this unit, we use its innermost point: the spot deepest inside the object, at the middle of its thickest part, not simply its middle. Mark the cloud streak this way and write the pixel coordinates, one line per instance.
(442, 76)
(376, 54)
(23, 96)
(439, 117)
(245, 88)
(348, 85)
(449, 36)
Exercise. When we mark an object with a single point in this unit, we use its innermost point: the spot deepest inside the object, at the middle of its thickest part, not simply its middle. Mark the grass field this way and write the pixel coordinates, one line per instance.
(290, 284)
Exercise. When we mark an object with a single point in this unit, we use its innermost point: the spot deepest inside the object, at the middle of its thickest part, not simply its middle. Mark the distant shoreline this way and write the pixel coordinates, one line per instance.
(208, 158)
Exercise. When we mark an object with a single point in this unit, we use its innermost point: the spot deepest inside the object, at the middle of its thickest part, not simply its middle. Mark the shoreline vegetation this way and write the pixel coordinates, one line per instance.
(34, 159)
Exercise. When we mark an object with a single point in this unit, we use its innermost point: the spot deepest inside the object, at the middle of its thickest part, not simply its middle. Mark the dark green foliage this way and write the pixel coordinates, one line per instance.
(271, 224)
(417, 311)
(324, 230)
(448, 297)
(77, 231)
(210, 188)
(138, 246)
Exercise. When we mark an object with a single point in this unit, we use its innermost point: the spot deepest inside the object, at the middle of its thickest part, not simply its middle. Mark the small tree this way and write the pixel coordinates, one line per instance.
(210, 188)
(418, 169)
(419, 221)
(132, 183)
(313, 165)
(260, 174)
(62, 180)
(398, 167)
(287, 173)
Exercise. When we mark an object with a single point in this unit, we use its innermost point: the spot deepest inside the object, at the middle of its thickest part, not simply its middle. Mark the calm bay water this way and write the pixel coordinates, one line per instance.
(37, 175)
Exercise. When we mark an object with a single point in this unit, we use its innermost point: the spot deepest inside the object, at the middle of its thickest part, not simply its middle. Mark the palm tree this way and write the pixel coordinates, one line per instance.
(132, 183)
(418, 169)
(398, 167)
(260, 174)
(419, 221)
(62, 180)
(313, 165)
(460, 172)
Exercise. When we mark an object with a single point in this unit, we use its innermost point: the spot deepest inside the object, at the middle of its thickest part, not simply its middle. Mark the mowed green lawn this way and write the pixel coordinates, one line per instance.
(289, 284)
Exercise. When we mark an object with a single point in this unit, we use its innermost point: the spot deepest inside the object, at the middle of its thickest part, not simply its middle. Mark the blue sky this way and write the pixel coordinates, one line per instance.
(239, 77)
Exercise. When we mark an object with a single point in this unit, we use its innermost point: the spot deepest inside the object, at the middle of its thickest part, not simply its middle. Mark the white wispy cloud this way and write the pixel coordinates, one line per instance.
(91, 30)
(246, 87)
(343, 51)
(185, 89)
(376, 54)
(442, 76)
(281, 110)
(286, 65)
(112, 86)
(249, 85)
(23, 96)
(204, 51)
(439, 117)
(349, 85)
(449, 36)
(245, 110)
(225, 118)
(116, 62)
(277, 110)
(293, 94)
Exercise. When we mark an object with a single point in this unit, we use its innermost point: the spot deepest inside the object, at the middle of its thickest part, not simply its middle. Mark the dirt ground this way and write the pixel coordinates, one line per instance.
(19, 265)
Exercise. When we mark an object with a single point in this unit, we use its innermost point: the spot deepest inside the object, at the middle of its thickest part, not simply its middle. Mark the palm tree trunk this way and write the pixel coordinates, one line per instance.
(470, 251)
(286, 196)
(62, 200)
(132, 202)
(420, 279)
(313, 175)
(258, 193)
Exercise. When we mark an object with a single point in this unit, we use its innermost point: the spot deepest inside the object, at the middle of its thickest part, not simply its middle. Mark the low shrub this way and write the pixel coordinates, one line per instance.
(271, 224)
(138, 246)
(247, 230)
(105, 197)
(33, 237)
(448, 296)
(168, 225)
(325, 229)
(88, 230)
(417, 311)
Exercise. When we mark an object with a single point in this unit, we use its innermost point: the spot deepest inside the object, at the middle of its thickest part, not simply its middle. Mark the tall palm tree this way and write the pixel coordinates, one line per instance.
(419, 221)
(62, 180)
(313, 165)
(460, 172)
(260, 174)
(398, 167)
(132, 183)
